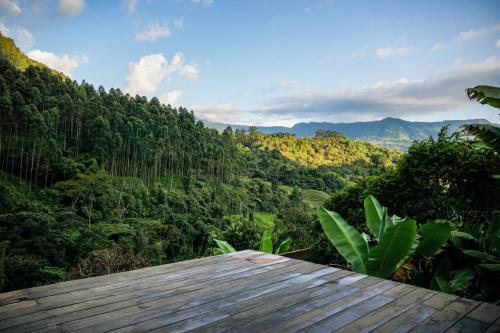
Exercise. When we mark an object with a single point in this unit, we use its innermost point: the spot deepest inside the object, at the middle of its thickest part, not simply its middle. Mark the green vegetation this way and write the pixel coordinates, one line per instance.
(453, 177)
(392, 240)
(95, 181)
(266, 244)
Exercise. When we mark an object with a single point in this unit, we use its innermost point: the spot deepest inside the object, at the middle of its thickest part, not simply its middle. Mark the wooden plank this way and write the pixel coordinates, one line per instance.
(467, 324)
(106, 301)
(333, 323)
(477, 320)
(494, 328)
(247, 291)
(333, 319)
(247, 311)
(160, 323)
(73, 285)
(279, 320)
(485, 312)
(85, 309)
(413, 316)
(136, 287)
(235, 310)
(147, 308)
(386, 313)
(446, 317)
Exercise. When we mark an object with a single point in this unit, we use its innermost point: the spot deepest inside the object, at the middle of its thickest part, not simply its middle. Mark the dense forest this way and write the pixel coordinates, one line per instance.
(95, 181)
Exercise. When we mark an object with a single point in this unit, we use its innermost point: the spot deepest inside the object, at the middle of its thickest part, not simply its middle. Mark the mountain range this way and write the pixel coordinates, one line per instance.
(388, 132)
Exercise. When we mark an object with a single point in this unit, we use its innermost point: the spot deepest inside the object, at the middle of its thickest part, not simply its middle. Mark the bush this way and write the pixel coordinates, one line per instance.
(106, 261)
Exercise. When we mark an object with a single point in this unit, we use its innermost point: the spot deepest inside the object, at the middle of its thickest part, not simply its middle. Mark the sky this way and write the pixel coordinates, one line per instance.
(274, 62)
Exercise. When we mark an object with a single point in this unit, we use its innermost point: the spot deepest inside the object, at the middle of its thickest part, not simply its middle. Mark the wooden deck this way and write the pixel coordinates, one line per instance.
(246, 291)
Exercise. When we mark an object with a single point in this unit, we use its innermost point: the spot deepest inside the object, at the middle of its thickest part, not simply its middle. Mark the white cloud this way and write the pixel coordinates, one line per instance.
(475, 33)
(442, 93)
(171, 97)
(438, 47)
(497, 44)
(179, 23)
(204, 3)
(22, 36)
(62, 63)
(224, 113)
(190, 72)
(387, 52)
(152, 32)
(4, 30)
(145, 76)
(11, 7)
(69, 8)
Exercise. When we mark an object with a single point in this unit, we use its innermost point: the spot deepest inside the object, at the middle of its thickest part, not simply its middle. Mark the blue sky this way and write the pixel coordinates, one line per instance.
(273, 62)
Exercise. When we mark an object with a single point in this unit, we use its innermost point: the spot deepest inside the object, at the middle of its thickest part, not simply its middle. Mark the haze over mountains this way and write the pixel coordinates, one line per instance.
(388, 132)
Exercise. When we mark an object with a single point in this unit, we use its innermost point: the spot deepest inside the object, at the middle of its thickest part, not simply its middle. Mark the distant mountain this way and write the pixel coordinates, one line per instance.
(9, 50)
(388, 132)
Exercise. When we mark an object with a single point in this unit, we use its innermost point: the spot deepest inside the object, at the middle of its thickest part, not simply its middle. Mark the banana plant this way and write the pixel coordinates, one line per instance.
(394, 238)
(488, 255)
(224, 247)
(489, 134)
(266, 245)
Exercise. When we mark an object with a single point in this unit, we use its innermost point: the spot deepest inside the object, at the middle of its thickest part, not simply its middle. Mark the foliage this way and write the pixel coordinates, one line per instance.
(487, 133)
(266, 244)
(324, 163)
(105, 261)
(224, 246)
(395, 238)
(448, 178)
(485, 95)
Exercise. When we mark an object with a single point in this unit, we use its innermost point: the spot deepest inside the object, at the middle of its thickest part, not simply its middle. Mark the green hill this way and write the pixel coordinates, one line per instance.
(9, 50)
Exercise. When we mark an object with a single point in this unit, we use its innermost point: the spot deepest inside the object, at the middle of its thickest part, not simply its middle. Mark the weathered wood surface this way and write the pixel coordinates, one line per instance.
(247, 291)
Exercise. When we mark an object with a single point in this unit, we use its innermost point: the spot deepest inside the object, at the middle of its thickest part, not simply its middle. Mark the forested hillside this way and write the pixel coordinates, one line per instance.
(96, 181)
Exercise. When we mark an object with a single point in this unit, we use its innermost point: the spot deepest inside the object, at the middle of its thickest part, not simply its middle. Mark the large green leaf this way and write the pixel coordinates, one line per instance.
(489, 134)
(394, 246)
(491, 267)
(266, 243)
(485, 95)
(385, 223)
(481, 255)
(347, 240)
(462, 279)
(439, 283)
(224, 246)
(284, 246)
(435, 235)
(462, 234)
(374, 214)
